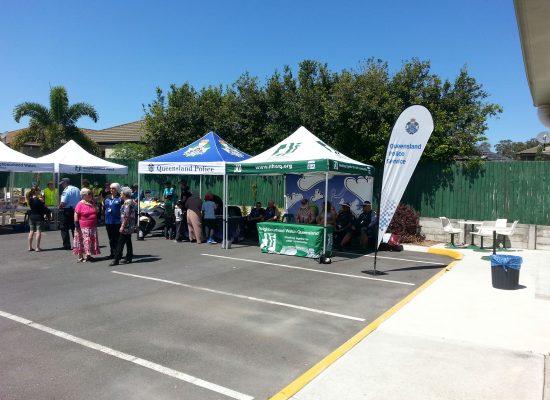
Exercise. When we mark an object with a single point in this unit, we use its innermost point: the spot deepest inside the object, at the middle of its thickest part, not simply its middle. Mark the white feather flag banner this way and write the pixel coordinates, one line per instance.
(408, 140)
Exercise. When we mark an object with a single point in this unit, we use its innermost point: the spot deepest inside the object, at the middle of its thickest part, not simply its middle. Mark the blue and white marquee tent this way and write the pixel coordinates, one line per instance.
(206, 156)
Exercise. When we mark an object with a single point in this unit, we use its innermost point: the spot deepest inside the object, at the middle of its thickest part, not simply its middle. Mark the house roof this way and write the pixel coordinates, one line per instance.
(130, 132)
(533, 150)
(491, 156)
(10, 136)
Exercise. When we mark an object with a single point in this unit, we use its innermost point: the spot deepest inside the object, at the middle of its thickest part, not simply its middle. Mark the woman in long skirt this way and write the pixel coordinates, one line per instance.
(86, 243)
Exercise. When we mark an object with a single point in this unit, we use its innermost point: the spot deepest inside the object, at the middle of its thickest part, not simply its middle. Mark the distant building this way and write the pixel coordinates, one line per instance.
(485, 156)
(107, 139)
(531, 154)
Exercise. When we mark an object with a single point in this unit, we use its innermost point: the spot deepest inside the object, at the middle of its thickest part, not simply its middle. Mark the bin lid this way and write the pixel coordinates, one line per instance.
(507, 261)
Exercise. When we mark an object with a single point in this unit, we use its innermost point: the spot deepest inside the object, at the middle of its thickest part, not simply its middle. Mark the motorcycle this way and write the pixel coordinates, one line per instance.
(151, 217)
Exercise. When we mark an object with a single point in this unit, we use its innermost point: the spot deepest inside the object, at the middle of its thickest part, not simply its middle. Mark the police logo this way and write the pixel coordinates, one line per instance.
(238, 168)
(77, 168)
(151, 167)
(412, 126)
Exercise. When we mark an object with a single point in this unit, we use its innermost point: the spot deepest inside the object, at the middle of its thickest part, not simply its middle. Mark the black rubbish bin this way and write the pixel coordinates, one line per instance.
(505, 271)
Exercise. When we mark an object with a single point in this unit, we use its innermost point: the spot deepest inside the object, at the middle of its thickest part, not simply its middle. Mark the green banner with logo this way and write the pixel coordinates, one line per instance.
(294, 239)
(298, 167)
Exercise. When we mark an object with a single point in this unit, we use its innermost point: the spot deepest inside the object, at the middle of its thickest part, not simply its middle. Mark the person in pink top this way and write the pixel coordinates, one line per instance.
(86, 242)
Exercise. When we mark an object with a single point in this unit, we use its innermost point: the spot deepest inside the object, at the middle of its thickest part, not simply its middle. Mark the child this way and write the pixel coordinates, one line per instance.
(209, 212)
(178, 213)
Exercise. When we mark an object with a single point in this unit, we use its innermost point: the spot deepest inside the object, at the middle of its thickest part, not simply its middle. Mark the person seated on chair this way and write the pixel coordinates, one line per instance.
(257, 214)
(366, 224)
(343, 231)
(271, 212)
(305, 213)
(331, 215)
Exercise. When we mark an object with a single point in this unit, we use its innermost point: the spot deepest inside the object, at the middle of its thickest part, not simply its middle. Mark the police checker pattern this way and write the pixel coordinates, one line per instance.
(386, 214)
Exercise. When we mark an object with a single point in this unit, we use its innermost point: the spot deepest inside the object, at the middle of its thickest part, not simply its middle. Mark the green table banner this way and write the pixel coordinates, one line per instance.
(294, 239)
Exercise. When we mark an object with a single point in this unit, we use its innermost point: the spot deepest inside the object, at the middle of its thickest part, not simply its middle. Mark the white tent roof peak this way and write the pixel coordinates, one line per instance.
(301, 145)
(71, 158)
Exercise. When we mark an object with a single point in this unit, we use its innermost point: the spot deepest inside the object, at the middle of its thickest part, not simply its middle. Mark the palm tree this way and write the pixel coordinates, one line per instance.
(52, 128)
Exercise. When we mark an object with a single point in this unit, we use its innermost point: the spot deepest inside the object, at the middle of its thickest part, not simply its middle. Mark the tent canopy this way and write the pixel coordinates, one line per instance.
(301, 153)
(14, 161)
(206, 156)
(73, 159)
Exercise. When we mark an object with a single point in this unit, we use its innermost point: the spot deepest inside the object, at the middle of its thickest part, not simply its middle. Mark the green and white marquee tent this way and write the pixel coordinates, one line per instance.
(301, 153)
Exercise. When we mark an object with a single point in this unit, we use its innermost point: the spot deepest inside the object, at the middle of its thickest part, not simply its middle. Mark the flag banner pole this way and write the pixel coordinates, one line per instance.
(408, 139)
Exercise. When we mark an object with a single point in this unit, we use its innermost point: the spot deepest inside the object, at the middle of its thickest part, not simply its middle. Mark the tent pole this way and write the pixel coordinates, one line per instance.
(284, 192)
(139, 192)
(325, 218)
(224, 215)
(200, 186)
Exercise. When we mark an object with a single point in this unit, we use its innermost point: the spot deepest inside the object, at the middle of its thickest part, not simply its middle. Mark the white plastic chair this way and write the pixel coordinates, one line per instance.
(485, 230)
(507, 231)
(448, 228)
(501, 223)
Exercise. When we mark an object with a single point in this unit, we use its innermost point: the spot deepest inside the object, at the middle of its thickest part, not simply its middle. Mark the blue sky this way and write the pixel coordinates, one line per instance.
(113, 54)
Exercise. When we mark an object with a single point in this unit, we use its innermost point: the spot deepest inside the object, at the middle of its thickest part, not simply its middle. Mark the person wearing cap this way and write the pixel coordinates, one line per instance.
(343, 231)
(113, 203)
(365, 225)
(70, 197)
(305, 214)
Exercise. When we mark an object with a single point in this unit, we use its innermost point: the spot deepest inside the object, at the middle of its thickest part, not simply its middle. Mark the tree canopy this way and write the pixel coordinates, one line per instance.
(53, 127)
(352, 110)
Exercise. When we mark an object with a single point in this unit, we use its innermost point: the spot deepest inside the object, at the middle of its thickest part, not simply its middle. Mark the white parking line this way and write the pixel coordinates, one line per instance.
(311, 270)
(240, 296)
(130, 358)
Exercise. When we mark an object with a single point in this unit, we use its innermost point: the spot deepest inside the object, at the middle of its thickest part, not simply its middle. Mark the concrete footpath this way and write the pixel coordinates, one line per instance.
(458, 339)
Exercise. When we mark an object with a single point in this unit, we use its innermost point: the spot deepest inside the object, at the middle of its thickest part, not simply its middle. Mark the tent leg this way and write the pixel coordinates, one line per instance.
(224, 213)
(324, 259)
(139, 193)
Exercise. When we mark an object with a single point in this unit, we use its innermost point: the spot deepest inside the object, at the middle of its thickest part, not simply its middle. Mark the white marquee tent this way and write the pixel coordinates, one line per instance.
(14, 161)
(73, 159)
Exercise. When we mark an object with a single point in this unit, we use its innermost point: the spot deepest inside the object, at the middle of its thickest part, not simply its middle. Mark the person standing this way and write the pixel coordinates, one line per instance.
(168, 199)
(50, 194)
(86, 243)
(127, 226)
(194, 222)
(185, 194)
(209, 210)
(112, 216)
(69, 199)
(178, 213)
(36, 218)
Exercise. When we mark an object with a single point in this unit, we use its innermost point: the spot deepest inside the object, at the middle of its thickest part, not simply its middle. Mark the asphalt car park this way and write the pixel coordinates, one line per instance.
(184, 320)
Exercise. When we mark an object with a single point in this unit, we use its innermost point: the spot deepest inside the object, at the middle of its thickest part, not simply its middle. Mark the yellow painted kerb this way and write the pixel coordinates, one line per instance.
(310, 374)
